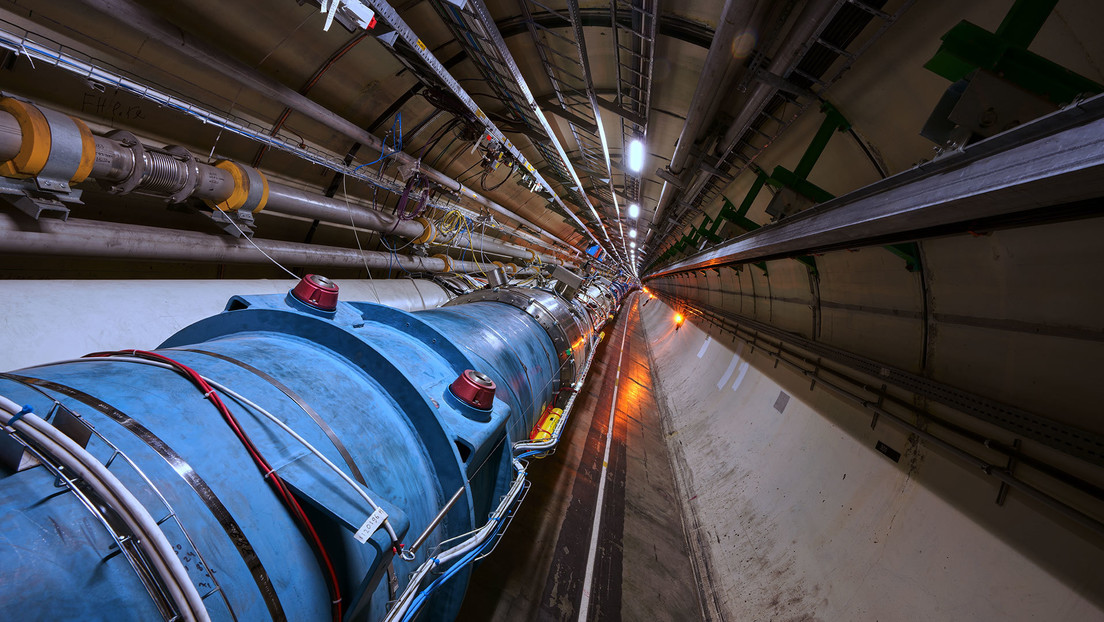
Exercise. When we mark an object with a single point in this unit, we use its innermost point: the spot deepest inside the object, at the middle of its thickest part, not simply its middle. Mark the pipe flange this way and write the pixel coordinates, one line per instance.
(185, 156)
(138, 169)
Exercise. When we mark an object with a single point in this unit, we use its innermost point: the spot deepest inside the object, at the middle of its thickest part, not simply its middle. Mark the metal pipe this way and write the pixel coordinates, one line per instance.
(145, 21)
(408, 552)
(285, 199)
(811, 18)
(116, 162)
(717, 74)
(87, 238)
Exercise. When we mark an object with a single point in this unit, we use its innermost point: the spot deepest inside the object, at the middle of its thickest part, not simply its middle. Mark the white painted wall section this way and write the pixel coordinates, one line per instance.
(72, 318)
(798, 517)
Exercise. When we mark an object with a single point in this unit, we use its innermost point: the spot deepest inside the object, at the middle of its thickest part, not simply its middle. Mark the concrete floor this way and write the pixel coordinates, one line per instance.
(642, 570)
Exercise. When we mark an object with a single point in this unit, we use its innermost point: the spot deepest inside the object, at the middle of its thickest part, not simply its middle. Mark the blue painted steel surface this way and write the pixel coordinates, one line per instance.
(376, 376)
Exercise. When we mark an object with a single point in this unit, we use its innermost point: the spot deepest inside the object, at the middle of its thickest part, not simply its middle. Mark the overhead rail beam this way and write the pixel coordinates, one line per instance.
(1053, 160)
(738, 149)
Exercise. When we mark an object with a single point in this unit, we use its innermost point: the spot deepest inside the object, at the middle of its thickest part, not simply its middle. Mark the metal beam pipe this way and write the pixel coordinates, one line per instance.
(147, 22)
(88, 238)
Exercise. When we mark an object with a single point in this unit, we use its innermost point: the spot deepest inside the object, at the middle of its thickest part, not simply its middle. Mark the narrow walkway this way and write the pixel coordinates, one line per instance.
(641, 567)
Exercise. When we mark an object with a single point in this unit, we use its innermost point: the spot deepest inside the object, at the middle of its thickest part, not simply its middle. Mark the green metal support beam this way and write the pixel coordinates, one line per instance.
(968, 47)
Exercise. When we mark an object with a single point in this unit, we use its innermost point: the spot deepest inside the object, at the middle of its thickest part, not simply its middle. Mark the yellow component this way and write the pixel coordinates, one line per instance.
(547, 425)
(500, 265)
(88, 152)
(35, 149)
(428, 233)
(445, 258)
(601, 335)
(511, 269)
(264, 193)
(240, 194)
(533, 255)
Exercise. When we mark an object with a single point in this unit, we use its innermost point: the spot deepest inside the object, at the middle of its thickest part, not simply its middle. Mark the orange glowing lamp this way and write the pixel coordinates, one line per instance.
(678, 319)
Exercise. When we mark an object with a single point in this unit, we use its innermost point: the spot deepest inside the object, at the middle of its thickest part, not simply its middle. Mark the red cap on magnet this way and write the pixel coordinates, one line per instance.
(316, 291)
(475, 389)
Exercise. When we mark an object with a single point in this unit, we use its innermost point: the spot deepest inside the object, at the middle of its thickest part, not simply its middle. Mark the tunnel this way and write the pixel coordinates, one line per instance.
(447, 310)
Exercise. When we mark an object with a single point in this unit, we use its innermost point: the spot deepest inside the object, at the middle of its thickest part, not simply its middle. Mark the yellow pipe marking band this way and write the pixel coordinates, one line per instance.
(445, 258)
(428, 233)
(238, 196)
(35, 148)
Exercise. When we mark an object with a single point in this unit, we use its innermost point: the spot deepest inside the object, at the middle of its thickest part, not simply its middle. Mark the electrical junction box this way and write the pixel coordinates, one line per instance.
(572, 282)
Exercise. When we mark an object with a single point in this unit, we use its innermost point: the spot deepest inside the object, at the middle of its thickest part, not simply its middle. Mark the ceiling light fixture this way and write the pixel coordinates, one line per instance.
(632, 244)
(632, 233)
(634, 210)
(636, 155)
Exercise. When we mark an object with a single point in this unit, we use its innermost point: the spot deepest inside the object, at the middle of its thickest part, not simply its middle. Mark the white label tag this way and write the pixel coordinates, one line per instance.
(370, 526)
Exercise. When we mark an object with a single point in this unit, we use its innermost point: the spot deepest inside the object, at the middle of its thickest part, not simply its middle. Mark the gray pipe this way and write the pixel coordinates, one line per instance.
(147, 22)
(717, 75)
(115, 162)
(811, 18)
(89, 238)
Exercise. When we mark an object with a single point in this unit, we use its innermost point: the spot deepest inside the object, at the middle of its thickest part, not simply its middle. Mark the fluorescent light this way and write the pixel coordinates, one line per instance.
(634, 210)
(632, 233)
(636, 155)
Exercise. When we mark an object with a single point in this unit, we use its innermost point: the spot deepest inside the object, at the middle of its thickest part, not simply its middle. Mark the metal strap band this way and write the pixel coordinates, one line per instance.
(254, 188)
(66, 146)
(188, 474)
(298, 401)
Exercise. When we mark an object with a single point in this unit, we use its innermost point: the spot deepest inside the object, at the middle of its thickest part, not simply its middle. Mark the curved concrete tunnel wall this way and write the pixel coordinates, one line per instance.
(1011, 314)
(791, 511)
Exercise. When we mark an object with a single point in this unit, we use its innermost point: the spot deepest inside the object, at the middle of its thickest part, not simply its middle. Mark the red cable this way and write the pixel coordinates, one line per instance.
(266, 469)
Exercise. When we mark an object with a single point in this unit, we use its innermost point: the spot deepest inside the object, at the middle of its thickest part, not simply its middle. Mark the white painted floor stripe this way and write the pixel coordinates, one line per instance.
(588, 578)
(728, 372)
(705, 345)
(740, 376)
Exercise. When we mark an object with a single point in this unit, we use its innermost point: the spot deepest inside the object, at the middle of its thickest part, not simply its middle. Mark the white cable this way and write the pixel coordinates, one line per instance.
(138, 519)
